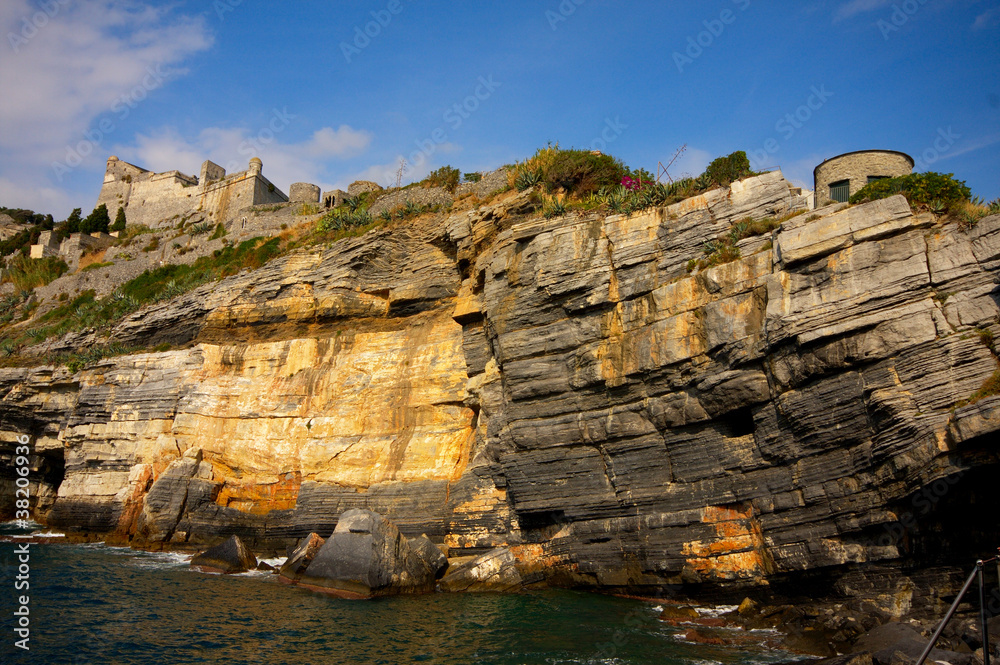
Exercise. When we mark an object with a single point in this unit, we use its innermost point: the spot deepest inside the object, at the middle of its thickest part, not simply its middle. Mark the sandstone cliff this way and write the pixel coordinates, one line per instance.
(565, 387)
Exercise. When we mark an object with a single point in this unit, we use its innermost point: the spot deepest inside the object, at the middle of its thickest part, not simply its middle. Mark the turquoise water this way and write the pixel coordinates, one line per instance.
(97, 604)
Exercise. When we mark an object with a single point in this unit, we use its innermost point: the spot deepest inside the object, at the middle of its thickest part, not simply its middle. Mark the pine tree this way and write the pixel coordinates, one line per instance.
(73, 221)
(97, 221)
(119, 224)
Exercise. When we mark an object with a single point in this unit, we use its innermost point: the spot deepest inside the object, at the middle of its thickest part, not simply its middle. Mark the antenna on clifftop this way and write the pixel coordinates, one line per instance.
(662, 170)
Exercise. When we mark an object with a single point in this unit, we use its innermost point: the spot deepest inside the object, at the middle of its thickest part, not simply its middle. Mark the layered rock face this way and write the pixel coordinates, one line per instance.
(565, 388)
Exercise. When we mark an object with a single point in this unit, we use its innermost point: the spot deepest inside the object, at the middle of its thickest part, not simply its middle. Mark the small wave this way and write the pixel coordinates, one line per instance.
(717, 611)
(48, 534)
(161, 559)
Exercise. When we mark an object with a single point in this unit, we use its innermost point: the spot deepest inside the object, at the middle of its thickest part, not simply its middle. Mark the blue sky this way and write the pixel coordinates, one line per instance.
(166, 85)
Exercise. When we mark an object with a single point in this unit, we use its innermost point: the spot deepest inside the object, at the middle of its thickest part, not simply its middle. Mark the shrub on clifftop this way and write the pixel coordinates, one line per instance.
(724, 171)
(937, 190)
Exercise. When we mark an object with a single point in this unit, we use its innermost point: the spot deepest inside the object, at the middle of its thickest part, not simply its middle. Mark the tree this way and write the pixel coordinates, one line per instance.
(97, 221)
(72, 222)
(119, 224)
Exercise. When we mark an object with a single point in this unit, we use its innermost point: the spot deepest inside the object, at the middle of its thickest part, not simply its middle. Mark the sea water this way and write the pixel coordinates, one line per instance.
(97, 604)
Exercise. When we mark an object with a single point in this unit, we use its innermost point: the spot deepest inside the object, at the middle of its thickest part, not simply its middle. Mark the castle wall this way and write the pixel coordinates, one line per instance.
(157, 200)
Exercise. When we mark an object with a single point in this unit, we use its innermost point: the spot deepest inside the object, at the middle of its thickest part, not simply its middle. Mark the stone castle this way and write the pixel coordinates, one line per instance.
(154, 199)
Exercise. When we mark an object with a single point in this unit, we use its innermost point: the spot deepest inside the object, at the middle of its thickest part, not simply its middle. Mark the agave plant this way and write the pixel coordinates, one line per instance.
(527, 178)
(704, 182)
(938, 207)
(554, 208)
(353, 203)
(740, 230)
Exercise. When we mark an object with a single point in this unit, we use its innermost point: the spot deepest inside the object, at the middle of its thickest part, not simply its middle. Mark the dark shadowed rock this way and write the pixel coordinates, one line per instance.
(266, 567)
(494, 571)
(899, 643)
(367, 557)
(231, 556)
(431, 554)
(301, 557)
(883, 637)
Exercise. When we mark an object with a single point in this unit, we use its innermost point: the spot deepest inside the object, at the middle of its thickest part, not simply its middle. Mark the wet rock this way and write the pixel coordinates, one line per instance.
(367, 557)
(431, 554)
(678, 613)
(266, 567)
(896, 643)
(300, 558)
(231, 556)
(494, 571)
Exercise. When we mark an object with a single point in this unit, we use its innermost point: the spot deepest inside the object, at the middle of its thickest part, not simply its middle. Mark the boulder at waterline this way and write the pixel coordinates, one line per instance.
(494, 571)
(367, 557)
(301, 557)
(431, 554)
(231, 556)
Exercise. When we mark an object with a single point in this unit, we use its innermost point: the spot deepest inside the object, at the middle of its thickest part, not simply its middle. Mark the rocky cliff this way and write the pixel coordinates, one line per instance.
(574, 388)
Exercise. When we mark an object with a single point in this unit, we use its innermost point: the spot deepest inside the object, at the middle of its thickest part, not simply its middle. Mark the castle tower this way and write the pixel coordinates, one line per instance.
(256, 166)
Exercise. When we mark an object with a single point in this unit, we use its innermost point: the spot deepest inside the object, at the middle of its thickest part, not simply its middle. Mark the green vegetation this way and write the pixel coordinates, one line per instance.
(990, 387)
(199, 229)
(724, 171)
(446, 177)
(590, 180)
(938, 191)
(970, 212)
(472, 177)
(86, 311)
(97, 222)
(308, 209)
(119, 224)
(154, 244)
(724, 250)
(580, 173)
(340, 219)
(718, 252)
(26, 274)
(220, 231)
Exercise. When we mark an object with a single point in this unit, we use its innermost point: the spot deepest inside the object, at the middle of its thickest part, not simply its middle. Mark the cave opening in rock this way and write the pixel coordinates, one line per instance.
(739, 422)
(540, 526)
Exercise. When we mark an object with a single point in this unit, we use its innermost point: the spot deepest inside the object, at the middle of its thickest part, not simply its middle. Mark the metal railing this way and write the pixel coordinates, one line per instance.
(978, 572)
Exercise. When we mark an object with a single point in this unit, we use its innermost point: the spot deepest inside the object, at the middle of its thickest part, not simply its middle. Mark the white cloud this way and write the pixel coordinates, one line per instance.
(855, 7)
(342, 142)
(79, 63)
(34, 196)
(70, 66)
(232, 148)
(988, 19)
